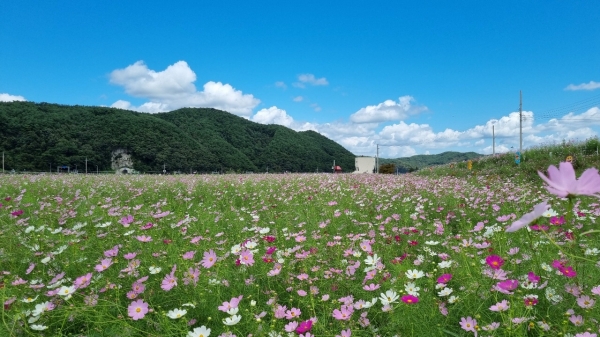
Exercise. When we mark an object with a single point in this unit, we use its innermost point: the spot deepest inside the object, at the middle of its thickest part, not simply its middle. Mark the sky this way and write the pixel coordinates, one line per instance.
(414, 77)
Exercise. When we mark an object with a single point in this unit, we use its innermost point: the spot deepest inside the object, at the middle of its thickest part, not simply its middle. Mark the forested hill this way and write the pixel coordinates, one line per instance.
(36, 136)
(420, 161)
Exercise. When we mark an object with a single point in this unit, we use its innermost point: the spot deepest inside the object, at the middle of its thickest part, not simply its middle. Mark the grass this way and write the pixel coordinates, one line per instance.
(320, 247)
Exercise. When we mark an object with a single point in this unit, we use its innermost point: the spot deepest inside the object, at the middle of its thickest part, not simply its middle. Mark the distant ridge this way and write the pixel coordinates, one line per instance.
(38, 136)
(425, 160)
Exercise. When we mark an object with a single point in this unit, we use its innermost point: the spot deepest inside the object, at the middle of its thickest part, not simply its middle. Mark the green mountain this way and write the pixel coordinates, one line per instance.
(421, 160)
(37, 136)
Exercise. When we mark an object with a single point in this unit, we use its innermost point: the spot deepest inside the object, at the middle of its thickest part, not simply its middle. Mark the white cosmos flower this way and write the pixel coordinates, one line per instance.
(414, 274)
(176, 313)
(432, 243)
(66, 291)
(390, 296)
(232, 320)
(412, 289)
(371, 260)
(38, 327)
(29, 299)
(445, 292)
(154, 270)
(445, 264)
(235, 250)
(199, 332)
(264, 230)
(233, 311)
(453, 299)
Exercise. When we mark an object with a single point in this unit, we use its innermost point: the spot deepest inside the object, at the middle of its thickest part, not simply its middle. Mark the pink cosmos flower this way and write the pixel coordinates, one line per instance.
(291, 326)
(585, 302)
(468, 324)
(500, 306)
(586, 334)
(345, 333)
(210, 258)
(137, 309)
(233, 303)
(344, 313)
(246, 257)
(170, 281)
(189, 255)
(538, 211)
(83, 281)
(494, 261)
(562, 181)
(292, 313)
(144, 238)
(371, 287)
(126, 221)
(104, 264)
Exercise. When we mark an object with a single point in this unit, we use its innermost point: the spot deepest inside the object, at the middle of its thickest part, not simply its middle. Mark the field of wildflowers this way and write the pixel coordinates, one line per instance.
(300, 255)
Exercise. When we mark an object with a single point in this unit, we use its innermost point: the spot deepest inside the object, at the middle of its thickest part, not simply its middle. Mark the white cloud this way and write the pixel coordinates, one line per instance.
(309, 79)
(280, 84)
(387, 111)
(583, 86)
(174, 88)
(4, 97)
(298, 99)
(273, 115)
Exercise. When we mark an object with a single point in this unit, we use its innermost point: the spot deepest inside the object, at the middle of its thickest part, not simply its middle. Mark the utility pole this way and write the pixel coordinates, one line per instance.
(86, 165)
(493, 141)
(520, 123)
(377, 159)
(2, 162)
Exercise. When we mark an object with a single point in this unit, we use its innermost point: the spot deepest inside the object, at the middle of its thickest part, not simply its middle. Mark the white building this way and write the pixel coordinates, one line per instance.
(365, 165)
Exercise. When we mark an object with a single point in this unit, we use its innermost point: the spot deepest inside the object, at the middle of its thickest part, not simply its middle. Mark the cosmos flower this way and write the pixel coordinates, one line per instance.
(563, 183)
(176, 313)
(202, 331)
(137, 309)
(538, 211)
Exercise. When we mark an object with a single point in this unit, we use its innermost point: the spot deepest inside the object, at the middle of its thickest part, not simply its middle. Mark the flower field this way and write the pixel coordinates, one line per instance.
(299, 255)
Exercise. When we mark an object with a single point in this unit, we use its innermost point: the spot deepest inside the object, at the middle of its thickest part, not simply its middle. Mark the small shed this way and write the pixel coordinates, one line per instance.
(337, 169)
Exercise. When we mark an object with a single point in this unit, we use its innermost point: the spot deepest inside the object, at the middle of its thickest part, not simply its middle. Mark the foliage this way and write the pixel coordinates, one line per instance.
(38, 137)
(387, 169)
(533, 160)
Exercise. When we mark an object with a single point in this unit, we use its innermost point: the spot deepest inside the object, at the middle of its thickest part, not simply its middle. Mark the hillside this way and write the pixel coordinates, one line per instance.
(420, 161)
(36, 136)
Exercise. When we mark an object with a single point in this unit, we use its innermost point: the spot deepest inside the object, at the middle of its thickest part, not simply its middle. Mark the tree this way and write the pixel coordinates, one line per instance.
(387, 169)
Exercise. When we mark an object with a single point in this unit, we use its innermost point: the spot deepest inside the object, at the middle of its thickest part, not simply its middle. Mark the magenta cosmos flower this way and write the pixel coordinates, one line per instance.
(494, 261)
(304, 326)
(137, 309)
(538, 211)
(563, 183)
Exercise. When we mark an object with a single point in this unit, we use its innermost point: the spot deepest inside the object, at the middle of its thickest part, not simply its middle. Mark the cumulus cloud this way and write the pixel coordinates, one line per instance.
(273, 115)
(583, 86)
(174, 88)
(388, 111)
(4, 97)
(304, 79)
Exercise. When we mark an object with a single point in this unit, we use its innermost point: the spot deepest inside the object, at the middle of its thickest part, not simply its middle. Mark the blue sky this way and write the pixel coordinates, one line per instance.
(415, 76)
